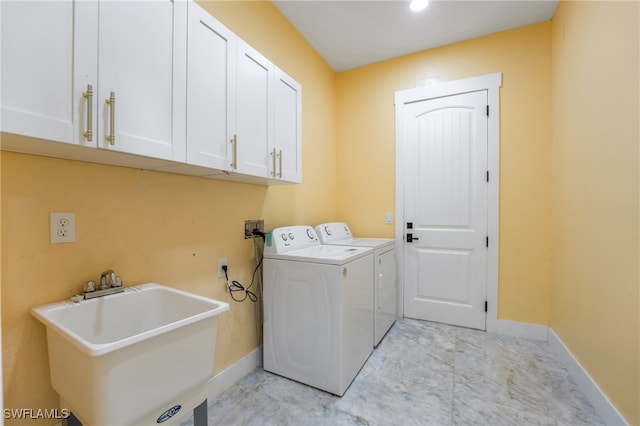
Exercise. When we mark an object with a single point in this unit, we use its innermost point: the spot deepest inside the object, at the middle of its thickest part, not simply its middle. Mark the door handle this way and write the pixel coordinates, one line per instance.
(411, 238)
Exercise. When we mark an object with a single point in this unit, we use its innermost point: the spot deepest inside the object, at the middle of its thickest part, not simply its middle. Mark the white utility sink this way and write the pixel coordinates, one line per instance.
(131, 357)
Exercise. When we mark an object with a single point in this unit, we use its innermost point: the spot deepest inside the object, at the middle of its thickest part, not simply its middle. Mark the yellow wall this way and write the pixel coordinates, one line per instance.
(563, 192)
(366, 151)
(152, 226)
(596, 115)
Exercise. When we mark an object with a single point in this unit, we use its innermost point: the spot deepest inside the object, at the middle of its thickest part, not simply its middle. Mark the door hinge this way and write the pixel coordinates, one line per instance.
(487, 110)
(487, 175)
(486, 306)
(487, 241)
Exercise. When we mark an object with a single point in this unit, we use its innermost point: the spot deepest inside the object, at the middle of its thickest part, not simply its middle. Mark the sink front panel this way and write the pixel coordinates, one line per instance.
(132, 383)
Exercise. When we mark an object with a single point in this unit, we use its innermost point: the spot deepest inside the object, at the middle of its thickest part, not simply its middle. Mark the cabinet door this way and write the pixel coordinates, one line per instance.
(39, 98)
(254, 115)
(142, 62)
(287, 141)
(211, 74)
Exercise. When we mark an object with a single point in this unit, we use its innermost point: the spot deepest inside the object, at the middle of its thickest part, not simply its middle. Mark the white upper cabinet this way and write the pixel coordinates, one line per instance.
(142, 67)
(286, 146)
(254, 119)
(53, 89)
(162, 80)
(211, 75)
(38, 90)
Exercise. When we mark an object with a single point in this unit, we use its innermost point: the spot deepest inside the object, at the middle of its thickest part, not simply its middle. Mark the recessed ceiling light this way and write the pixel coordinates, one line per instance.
(418, 5)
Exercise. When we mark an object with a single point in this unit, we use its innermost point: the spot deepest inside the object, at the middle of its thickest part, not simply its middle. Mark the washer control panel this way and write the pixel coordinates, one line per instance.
(282, 240)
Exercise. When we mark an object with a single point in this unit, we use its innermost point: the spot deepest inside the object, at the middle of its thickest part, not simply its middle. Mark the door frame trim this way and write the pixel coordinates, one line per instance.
(491, 83)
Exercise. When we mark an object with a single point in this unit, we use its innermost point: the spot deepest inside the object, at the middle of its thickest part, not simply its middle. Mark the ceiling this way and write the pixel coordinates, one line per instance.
(353, 33)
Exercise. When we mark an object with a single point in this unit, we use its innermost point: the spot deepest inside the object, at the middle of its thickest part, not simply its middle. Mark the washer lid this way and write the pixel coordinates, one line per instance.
(328, 254)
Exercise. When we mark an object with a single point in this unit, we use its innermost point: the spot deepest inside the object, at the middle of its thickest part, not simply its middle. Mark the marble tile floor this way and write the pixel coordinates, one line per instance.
(422, 373)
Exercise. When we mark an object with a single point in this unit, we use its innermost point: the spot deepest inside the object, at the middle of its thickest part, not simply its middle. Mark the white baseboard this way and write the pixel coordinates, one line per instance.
(236, 371)
(605, 409)
(521, 329)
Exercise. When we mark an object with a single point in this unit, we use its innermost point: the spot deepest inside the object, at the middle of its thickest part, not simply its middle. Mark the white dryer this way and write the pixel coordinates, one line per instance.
(385, 293)
(318, 310)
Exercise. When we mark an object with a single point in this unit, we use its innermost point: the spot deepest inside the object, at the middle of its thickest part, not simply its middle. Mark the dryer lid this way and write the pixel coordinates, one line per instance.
(376, 243)
(339, 233)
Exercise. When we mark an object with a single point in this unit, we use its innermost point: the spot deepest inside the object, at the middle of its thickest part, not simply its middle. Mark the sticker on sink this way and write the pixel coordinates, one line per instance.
(169, 413)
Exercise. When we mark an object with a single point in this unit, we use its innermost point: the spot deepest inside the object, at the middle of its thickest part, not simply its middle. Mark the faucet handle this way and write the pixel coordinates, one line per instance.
(89, 286)
(103, 283)
(103, 279)
(117, 282)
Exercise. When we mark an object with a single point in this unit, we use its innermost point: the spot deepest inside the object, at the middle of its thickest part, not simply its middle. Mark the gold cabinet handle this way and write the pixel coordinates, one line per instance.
(111, 137)
(88, 95)
(280, 162)
(234, 142)
(273, 157)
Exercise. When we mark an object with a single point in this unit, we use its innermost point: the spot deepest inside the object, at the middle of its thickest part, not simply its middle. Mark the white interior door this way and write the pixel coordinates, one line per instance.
(445, 209)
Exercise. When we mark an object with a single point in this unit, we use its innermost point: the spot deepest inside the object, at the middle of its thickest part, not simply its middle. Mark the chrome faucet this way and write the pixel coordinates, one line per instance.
(110, 283)
(103, 279)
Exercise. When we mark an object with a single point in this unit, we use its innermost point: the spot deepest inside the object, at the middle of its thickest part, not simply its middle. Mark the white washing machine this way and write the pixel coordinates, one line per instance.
(318, 311)
(386, 292)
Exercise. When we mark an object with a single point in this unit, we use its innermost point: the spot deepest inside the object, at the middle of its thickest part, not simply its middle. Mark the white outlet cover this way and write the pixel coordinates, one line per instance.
(62, 227)
(388, 218)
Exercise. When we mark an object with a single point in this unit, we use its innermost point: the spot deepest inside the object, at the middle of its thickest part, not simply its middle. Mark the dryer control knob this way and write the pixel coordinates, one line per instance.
(310, 234)
(284, 237)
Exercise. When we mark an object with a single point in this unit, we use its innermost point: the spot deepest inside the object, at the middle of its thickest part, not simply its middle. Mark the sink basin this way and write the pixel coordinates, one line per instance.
(132, 357)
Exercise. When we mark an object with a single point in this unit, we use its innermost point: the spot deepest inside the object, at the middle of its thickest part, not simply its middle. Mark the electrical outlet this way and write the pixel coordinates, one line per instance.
(221, 262)
(250, 225)
(62, 227)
